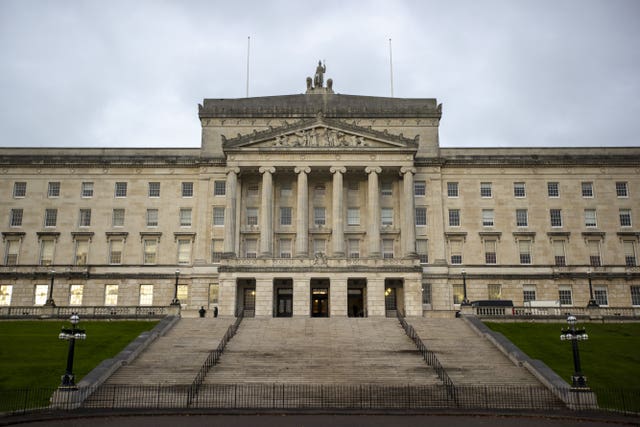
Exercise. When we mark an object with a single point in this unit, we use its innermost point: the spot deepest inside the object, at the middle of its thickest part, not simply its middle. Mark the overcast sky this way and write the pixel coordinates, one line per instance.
(98, 73)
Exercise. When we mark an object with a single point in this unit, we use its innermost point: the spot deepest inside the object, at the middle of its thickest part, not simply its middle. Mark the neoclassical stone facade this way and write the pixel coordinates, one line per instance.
(319, 204)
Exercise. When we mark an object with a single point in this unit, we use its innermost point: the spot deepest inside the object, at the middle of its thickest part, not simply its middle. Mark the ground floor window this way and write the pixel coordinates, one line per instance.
(458, 293)
(75, 294)
(214, 290)
(183, 294)
(111, 295)
(600, 295)
(5, 294)
(426, 293)
(635, 295)
(41, 294)
(529, 293)
(146, 294)
(565, 296)
(494, 292)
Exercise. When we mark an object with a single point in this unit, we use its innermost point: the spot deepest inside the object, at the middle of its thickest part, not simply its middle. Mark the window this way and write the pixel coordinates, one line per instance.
(426, 293)
(353, 187)
(386, 216)
(285, 216)
(75, 294)
(218, 216)
(487, 217)
(625, 217)
(214, 291)
(84, 219)
(456, 251)
(252, 216)
(519, 189)
(185, 217)
(458, 293)
(150, 251)
(485, 189)
(86, 189)
(319, 190)
(594, 253)
(494, 292)
(41, 293)
(353, 216)
(421, 217)
(528, 293)
(629, 247)
(386, 188)
(12, 249)
(490, 251)
(15, 217)
(560, 258)
(115, 251)
(454, 217)
(319, 246)
(419, 188)
(622, 189)
(285, 189)
(250, 248)
(219, 188)
(354, 248)
(19, 189)
(111, 295)
(553, 190)
(524, 248)
(50, 217)
(46, 251)
(184, 251)
(183, 294)
(216, 250)
(117, 218)
(146, 294)
(53, 189)
(387, 248)
(152, 217)
(587, 189)
(121, 189)
(522, 218)
(452, 189)
(318, 216)
(556, 217)
(422, 248)
(187, 189)
(564, 295)
(154, 189)
(5, 294)
(253, 190)
(285, 248)
(82, 252)
(635, 295)
(600, 295)
(590, 218)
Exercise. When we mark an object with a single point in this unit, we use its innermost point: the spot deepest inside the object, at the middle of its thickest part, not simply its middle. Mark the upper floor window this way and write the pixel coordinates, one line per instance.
(419, 188)
(622, 189)
(387, 248)
(422, 249)
(590, 218)
(15, 217)
(252, 216)
(154, 189)
(455, 247)
(285, 215)
(19, 189)
(353, 216)
(485, 189)
(319, 218)
(490, 251)
(386, 216)
(386, 188)
(187, 189)
(185, 217)
(184, 251)
(285, 189)
(217, 246)
(53, 189)
(452, 189)
(50, 217)
(117, 218)
(524, 250)
(454, 217)
(285, 248)
(629, 247)
(218, 216)
(487, 217)
(86, 189)
(522, 218)
(82, 252)
(319, 190)
(250, 248)
(150, 250)
(421, 216)
(253, 190)
(354, 248)
(560, 257)
(587, 189)
(219, 188)
(121, 189)
(519, 189)
(556, 217)
(625, 217)
(152, 217)
(85, 218)
(46, 251)
(553, 189)
(12, 250)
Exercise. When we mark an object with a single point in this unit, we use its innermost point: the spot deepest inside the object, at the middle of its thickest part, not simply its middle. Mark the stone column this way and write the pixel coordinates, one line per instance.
(374, 211)
(408, 219)
(302, 212)
(337, 214)
(266, 211)
(230, 210)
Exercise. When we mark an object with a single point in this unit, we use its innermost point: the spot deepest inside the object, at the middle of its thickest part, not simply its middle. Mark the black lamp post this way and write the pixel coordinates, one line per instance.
(50, 301)
(71, 335)
(465, 300)
(578, 380)
(592, 302)
(175, 300)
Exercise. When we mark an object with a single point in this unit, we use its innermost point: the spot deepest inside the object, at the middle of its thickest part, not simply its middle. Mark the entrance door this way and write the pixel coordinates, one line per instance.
(319, 302)
(355, 302)
(390, 301)
(284, 303)
(249, 302)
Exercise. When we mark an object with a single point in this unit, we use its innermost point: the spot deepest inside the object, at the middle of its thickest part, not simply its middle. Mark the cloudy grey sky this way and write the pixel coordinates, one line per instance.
(95, 73)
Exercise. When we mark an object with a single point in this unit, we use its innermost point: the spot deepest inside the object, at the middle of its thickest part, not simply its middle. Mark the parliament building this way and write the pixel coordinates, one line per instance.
(315, 205)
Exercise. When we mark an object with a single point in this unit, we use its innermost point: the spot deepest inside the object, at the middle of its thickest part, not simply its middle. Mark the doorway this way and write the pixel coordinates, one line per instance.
(283, 297)
(356, 297)
(393, 297)
(246, 297)
(319, 297)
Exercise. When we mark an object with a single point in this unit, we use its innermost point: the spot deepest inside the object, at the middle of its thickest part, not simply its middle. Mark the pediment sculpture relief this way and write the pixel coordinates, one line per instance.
(319, 137)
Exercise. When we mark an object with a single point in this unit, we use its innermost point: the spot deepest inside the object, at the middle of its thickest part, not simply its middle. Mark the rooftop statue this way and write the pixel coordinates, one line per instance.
(318, 80)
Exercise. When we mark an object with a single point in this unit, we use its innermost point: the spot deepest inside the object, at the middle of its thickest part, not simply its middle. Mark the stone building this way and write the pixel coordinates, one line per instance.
(319, 204)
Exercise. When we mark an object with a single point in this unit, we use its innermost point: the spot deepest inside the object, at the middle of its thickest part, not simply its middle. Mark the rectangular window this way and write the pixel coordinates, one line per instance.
(146, 294)
(84, 219)
(454, 217)
(354, 248)
(519, 189)
(386, 188)
(115, 251)
(75, 294)
(187, 189)
(386, 216)
(594, 253)
(353, 216)
(622, 189)
(152, 217)
(524, 248)
(422, 248)
(46, 251)
(587, 189)
(253, 190)
(111, 295)
(50, 217)
(629, 247)
(183, 294)
(285, 248)
(522, 218)
(15, 217)
(216, 250)
(625, 217)
(556, 217)
(19, 189)
(421, 217)
(218, 216)
(121, 189)
(490, 251)
(456, 251)
(41, 293)
(82, 252)
(601, 296)
(214, 291)
(5, 295)
(387, 248)
(150, 251)
(560, 258)
(154, 189)
(184, 251)
(458, 293)
(419, 188)
(219, 188)
(353, 187)
(319, 246)
(426, 293)
(553, 189)
(117, 218)
(250, 248)
(252, 216)
(494, 292)
(12, 251)
(285, 215)
(285, 189)
(452, 189)
(86, 189)
(485, 189)
(635, 295)
(185, 217)
(565, 295)
(319, 216)
(53, 189)
(319, 190)
(590, 218)
(487, 217)
(529, 293)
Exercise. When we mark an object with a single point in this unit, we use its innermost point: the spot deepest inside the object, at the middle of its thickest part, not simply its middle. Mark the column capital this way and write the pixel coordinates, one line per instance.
(374, 169)
(233, 169)
(269, 169)
(299, 169)
(405, 170)
(340, 169)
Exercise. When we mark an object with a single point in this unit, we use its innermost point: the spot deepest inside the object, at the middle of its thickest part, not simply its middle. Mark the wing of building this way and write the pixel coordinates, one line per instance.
(319, 204)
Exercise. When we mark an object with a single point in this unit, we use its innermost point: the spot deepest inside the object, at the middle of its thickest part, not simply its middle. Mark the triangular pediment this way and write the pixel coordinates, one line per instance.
(321, 134)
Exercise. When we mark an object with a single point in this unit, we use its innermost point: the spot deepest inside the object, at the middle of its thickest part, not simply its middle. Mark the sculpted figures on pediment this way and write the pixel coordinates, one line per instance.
(319, 137)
